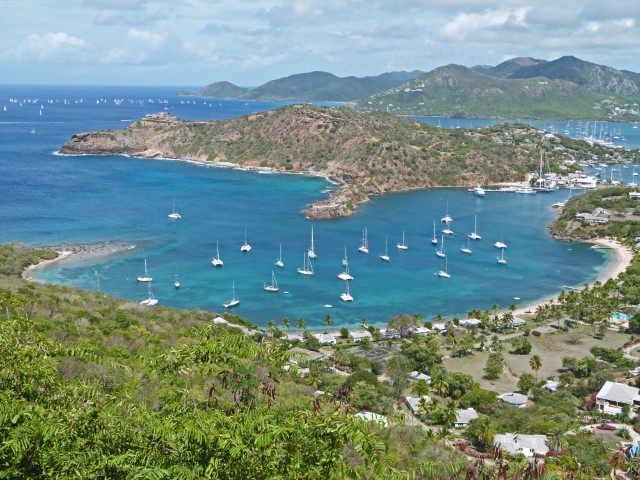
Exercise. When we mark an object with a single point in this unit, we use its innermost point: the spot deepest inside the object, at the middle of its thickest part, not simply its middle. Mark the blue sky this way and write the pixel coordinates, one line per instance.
(197, 42)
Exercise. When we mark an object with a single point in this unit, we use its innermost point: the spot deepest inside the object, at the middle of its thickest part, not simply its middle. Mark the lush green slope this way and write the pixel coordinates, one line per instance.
(217, 90)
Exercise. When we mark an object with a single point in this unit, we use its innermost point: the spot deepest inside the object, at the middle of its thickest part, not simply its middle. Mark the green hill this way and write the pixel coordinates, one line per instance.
(217, 90)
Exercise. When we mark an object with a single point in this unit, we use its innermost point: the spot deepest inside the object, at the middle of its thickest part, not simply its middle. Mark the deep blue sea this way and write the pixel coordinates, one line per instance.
(49, 199)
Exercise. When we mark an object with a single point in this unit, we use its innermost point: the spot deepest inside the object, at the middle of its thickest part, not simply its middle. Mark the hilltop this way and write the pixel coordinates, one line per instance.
(366, 154)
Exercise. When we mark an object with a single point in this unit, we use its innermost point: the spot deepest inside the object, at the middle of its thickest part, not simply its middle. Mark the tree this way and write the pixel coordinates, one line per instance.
(535, 362)
(424, 352)
(481, 431)
(523, 346)
(420, 388)
(364, 396)
(344, 332)
(403, 324)
(557, 440)
(494, 367)
(398, 369)
(525, 383)
(301, 324)
(328, 320)
(285, 323)
(271, 327)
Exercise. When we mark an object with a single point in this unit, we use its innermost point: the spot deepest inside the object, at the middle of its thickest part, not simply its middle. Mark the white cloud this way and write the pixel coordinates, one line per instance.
(51, 47)
(467, 23)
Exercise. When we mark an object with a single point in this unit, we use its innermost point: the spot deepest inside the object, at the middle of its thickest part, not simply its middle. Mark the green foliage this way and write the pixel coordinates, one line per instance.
(525, 383)
(479, 399)
(15, 257)
(424, 352)
(494, 367)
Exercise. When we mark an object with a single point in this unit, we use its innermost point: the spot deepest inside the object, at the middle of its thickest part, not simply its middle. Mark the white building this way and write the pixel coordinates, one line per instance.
(463, 417)
(326, 338)
(613, 396)
(528, 445)
(516, 399)
(420, 331)
(470, 322)
(373, 417)
(359, 335)
(413, 403)
(416, 375)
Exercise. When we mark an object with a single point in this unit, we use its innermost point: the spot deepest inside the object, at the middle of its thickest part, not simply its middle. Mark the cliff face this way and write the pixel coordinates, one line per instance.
(367, 154)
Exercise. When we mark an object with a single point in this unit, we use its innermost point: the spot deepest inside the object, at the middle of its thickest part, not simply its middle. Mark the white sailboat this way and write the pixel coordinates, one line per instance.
(150, 300)
(175, 215)
(445, 273)
(447, 230)
(234, 301)
(346, 296)
(447, 218)
(478, 190)
(279, 262)
(312, 252)
(307, 266)
(217, 262)
(465, 248)
(245, 246)
(501, 259)
(176, 282)
(403, 245)
(274, 285)
(364, 246)
(441, 252)
(474, 235)
(145, 277)
(345, 275)
(385, 256)
(434, 240)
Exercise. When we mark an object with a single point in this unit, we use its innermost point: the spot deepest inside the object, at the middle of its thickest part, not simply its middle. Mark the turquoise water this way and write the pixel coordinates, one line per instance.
(50, 199)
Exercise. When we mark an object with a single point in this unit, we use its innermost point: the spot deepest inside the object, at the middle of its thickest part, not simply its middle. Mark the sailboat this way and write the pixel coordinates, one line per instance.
(403, 245)
(445, 273)
(217, 262)
(562, 204)
(307, 267)
(474, 235)
(345, 275)
(440, 252)
(279, 262)
(175, 215)
(434, 240)
(364, 246)
(447, 218)
(465, 248)
(274, 285)
(234, 301)
(500, 243)
(176, 282)
(346, 296)
(385, 256)
(501, 259)
(312, 252)
(150, 300)
(245, 246)
(145, 277)
(447, 230)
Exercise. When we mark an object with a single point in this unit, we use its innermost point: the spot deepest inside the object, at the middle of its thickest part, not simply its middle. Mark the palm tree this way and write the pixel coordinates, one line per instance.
(285, 323)
(328, 320)
(557, 440)
(441, 386)
(450, 413)
(420, 388)
(535, 362)
(363, 323)
(301, 324)
(272, 327)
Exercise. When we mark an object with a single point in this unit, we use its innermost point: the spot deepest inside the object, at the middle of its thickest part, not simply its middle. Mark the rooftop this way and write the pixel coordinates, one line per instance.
(618, 392)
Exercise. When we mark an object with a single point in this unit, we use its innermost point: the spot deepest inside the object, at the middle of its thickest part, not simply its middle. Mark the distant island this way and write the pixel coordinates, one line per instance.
(522, 87)
(366, 154)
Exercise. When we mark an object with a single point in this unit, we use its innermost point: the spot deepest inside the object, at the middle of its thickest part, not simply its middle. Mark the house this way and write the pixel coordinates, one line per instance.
(326, 338)
(634, 195)
(516, 322)
(295, 336)
(439, 327)
(381, 420)
(302, 354)
(470, 323)
(414, 403)
(388, 334)
(551, 385)
(515, 443)
(613, 396)
(463, 417)
(516, 399)
(359, 335)
(416, 375)
(421, 331)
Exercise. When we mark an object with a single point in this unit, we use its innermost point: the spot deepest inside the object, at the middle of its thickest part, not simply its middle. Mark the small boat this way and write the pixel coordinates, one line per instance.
(500, 244)
(465, 248)
(346, 296)
(447, 218)
(445, 273)
(279, 262)
(364, 246)
(234, 301)
(441, 252)
(447, 231)
(501, 259)
(525, 190)
(175, 215)
(328, 305)
(150, 300)
(385, 256)
(575, 289)
(474, 235)
(479, 191)
(176, 282)
(245, 246)
(345, 275)
(274, 285)
(434, 240)
(307, 266)
(403, 245)
(312, 252)
(217, 262)
(145, 277)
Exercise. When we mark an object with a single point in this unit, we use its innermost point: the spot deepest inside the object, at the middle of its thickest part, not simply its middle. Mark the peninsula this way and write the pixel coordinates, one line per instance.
(366, 154)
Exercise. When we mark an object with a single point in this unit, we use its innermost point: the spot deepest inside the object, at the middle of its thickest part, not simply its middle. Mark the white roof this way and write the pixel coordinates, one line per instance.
(470, 322)
(360, 334)
(325, 337)
(618, 392)
(465, 416)
(421, 330)
(513, 398)
(438, 326)
(373, 417)
(513, 442)
(412, 402)
(416, 375)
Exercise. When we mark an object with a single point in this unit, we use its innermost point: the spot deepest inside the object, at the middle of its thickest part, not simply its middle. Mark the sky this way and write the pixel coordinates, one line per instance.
(197, 42)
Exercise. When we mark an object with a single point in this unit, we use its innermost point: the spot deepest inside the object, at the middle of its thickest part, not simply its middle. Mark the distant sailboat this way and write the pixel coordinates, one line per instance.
(150, 300)
(346, 296)
(403, 245)
(364, 246)
(474, 235)
(279, 262)
(245, 246)
(345, 275)
(145, 277)
(175, 215)
(176, 282)
(307, 266)
(234, 301)
(385, 255)
(434, 240)
(445, 273)
(312, 252)
(447, 218)
(441, 252)
(501, 259)
(274, 285)
(217, 262)
(466, 248)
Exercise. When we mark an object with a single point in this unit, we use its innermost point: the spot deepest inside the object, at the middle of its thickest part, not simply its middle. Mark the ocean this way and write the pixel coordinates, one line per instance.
(49, 199)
